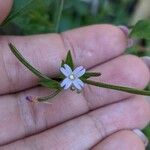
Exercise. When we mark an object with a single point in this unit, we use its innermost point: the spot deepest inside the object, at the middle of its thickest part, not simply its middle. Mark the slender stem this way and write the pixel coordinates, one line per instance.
(58, 14)
(119, 88)
(45, 98)
(25, 62)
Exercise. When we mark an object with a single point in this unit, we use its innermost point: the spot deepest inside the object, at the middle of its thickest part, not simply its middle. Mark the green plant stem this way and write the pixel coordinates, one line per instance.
(58, 14)
(25, 62)
(45, 98)
(118, 88)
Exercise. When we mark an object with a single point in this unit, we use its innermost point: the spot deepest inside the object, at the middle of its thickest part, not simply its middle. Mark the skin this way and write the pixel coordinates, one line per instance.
(96, 119)
(5, 8)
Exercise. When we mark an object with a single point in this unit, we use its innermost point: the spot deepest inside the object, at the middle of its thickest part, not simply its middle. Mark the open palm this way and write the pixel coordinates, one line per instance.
(97, 119)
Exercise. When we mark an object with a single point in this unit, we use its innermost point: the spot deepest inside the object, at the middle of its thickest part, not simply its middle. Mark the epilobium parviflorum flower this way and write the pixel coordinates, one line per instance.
(71, 77)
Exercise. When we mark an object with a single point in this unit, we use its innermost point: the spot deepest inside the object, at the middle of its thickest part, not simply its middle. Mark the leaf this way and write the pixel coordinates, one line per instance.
(90, 74)
(52, 84)
(69, 60)
(141, 30)
(118, 88)
(58, 14)
(25, 62)
(45, 98)
(62, 63)
(19, 7)
(147, 131)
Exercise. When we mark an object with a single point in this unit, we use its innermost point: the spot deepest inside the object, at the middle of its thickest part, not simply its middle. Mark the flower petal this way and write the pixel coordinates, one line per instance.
(80, 82)
(68, 69)
(68, 85)
(76, 83)
(78, 69)
(64, 82)
(64, 72)
(80, 73)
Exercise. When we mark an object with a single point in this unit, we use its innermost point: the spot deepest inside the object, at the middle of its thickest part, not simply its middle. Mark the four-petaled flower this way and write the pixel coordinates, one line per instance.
(72, 79)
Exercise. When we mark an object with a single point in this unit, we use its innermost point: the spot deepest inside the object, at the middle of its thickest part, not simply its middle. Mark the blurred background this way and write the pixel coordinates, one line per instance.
(43, 16)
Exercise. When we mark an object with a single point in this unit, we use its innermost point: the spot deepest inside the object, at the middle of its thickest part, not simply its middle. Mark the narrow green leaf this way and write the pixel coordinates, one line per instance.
(19, 7)
(45, 81)
(31, 68)
(69, 60)
(59, 9)
(52, 84)
(45, 98)
(141, 30)
(118, 88)
(62, 63)
(90, 74)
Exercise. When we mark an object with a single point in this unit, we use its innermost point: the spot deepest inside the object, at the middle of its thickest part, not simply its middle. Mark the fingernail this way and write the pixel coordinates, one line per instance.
(146, 59)
(142, 136)
(130, 43)
(124, 29)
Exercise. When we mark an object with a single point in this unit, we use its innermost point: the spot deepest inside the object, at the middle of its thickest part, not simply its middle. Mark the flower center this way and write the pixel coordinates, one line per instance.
(72, 77)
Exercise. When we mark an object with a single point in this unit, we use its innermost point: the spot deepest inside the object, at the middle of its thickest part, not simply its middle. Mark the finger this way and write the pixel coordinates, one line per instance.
(87, 130)
(46, 52)
(146, 59)
(5, 9)
(67, 105)
(125, 139)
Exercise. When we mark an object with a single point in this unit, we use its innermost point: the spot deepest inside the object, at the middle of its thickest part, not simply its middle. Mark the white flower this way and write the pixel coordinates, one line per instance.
(72, 77)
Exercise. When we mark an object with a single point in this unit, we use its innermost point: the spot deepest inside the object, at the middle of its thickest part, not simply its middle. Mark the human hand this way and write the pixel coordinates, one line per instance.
(96, 118)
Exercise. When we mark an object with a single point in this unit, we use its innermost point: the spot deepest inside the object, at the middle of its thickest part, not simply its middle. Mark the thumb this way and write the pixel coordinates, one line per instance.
(5, 7)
